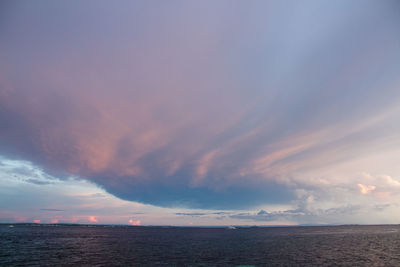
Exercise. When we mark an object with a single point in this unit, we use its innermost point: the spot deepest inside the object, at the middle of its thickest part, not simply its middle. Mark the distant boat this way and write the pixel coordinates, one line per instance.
(11, 225)
(231, 228)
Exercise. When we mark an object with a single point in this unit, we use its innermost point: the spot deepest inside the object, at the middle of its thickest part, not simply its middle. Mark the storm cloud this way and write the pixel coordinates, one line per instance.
(225, 105)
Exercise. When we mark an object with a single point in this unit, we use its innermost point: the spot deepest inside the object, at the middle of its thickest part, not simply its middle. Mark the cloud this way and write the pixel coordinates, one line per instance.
(190, 110)
(134, 222)
(365, 189)
(38, 182)
(93, 219)
(191, 213)
(299, 216)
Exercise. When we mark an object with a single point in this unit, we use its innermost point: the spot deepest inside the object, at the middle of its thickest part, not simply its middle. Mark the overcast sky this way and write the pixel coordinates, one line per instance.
(200, 112)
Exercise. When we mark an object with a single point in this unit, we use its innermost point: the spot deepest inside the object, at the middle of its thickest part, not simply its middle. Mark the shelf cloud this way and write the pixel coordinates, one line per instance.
(217, 105)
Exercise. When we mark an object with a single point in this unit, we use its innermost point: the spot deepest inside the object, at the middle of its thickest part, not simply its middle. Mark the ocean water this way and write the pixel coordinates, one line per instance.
(172, 246)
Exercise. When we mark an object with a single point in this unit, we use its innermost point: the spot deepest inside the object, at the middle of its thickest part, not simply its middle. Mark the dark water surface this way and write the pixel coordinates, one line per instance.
(156, 246)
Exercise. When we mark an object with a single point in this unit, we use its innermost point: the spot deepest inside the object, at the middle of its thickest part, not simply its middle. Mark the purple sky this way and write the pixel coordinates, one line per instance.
(200, 113)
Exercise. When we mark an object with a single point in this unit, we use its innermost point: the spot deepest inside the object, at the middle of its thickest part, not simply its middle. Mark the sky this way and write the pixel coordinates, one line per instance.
(200, 112)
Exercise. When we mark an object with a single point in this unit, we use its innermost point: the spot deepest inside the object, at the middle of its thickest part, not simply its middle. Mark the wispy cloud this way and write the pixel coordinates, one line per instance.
(51, 210)
(38, 182)
(191, 213)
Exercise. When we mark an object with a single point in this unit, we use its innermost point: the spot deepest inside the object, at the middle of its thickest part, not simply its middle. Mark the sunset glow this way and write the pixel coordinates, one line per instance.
(200, 113)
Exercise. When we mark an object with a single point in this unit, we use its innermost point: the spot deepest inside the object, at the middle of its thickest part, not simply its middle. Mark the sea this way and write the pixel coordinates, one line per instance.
(85, 245)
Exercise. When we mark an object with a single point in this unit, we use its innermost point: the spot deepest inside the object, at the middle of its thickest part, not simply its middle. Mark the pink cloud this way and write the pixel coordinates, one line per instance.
(133, 222)
(365, 189)
(36, 221)
(93, 219)
(20, 219)
(54, 221)
(383, 195)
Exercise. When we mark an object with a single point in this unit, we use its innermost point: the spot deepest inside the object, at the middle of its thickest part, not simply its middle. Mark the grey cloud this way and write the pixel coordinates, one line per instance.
(38, 182)
(191, 213)
(299, 215)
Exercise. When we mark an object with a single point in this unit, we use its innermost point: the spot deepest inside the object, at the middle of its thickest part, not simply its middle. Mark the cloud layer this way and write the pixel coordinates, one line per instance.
(202, 105)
